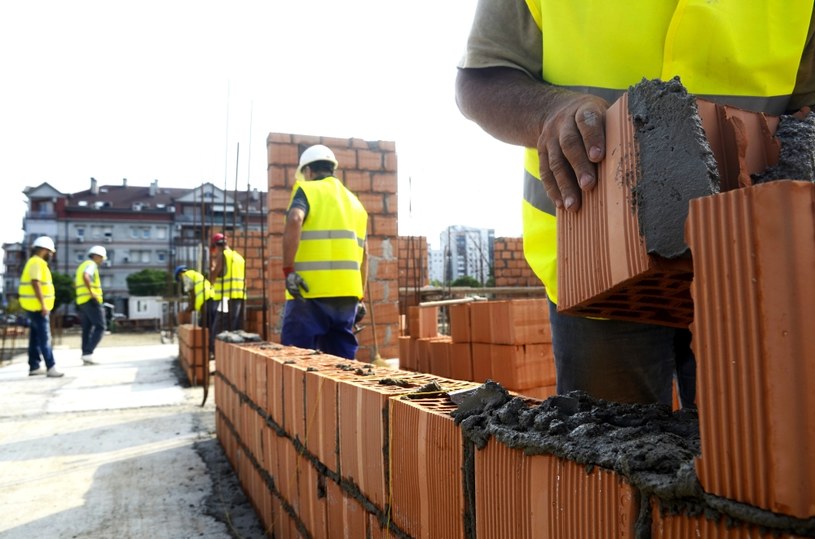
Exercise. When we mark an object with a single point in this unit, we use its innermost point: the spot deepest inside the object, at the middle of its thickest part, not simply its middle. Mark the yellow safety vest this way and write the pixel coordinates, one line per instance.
(232, 284)
(28, 300)
(332, 241)
(202, 289)
(729, 51)
(83, 295)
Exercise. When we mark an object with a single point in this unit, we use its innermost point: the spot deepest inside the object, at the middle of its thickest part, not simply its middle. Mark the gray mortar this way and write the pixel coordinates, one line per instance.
(675, 163)
(797, 159)
(652, 447)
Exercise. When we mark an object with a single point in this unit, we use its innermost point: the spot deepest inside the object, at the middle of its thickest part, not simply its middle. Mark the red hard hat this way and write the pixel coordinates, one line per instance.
(218, 239)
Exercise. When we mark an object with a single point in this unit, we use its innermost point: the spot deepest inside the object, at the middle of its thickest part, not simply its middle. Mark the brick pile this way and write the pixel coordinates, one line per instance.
(506, 341)
(192, 353)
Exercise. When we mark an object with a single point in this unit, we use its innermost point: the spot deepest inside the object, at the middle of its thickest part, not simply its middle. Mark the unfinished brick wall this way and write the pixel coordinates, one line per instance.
(510, 266)
(368, 169)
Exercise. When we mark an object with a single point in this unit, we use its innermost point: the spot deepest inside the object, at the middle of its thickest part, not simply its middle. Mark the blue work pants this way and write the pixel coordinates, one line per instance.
(92, 319)
(325, 324)
(39, 341)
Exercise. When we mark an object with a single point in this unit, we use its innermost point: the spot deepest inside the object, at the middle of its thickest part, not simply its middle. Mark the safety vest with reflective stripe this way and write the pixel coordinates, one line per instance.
(729, 51)
(202, 288)
(332, 240)
(232, 284)
(83, 295)
(28, 299)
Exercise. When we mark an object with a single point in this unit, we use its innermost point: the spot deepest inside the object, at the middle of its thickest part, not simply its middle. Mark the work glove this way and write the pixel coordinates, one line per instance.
(361, 312)
(294, 283)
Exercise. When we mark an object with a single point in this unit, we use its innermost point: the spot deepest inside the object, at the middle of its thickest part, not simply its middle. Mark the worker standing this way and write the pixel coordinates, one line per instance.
(228, 273)
(323, 251)
(88, 287)
(201, 298)
(542, 74)
(37, 296)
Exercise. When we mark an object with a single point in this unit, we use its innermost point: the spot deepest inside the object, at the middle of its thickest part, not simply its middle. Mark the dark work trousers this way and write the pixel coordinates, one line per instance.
(325, 324)
(207, 319)
(39, 341)
(231, 321)
(92, 317)
(613, 360)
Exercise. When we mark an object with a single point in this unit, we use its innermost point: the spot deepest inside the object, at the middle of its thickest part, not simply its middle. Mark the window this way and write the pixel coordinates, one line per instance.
(80, 231)
(161, 256)
(161, 232)
(79, 256)
(145, 233)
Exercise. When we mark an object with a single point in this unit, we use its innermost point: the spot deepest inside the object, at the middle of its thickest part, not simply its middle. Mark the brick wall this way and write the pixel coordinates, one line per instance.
(510, 266)
(368, 169)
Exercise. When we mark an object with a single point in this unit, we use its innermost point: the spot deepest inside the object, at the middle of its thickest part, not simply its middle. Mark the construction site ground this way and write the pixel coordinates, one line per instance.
(119, 449)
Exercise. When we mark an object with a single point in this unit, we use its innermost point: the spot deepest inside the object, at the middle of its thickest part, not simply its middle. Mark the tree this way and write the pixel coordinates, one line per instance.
(468, 281)
(147, 282)
(63, 289)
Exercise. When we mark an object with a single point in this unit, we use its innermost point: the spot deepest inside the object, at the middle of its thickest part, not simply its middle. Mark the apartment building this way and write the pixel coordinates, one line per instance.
(467, 251)
(140, 226)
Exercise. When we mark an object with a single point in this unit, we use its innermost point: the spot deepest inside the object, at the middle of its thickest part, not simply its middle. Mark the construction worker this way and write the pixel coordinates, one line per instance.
(88, 287)
(202, 298)
(37, 295)
(323, 251)
(542, 74)
(227, 270)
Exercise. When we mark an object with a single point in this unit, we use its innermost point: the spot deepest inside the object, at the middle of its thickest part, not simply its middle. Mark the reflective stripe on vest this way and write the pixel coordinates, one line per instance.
(332, 241)
(28, 299)
(202, 289)
(719, 49)
(233, 283)
(83, 295)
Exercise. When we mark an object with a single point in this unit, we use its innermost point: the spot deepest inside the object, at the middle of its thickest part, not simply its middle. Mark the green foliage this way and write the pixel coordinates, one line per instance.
(468, 281)
(148, 282)
(64, 289)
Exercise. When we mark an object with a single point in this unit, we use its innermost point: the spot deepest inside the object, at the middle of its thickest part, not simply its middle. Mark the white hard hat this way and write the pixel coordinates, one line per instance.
(98, 250)
(318, 152)
(46, 243)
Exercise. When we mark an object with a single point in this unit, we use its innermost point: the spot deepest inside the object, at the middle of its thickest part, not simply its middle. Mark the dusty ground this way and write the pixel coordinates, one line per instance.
(121, 449)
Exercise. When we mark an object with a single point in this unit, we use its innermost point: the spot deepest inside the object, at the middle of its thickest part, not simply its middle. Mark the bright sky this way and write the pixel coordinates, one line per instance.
(167, 90)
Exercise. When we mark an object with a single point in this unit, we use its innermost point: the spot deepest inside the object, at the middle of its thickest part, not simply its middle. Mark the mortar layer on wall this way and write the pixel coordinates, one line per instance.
(649, 445)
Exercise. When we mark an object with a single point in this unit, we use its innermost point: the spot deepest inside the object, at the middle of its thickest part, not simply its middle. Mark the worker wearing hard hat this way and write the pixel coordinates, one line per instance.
(202, 298)
(88, 287)
(227, 272)
(542, 75)
(323, 251)
(37, 295)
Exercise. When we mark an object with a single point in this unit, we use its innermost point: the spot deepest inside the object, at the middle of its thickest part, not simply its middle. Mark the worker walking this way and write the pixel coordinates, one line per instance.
(553, 101)
(227, 271)
(37, 295)
(88, 287)
(201, 298)
(323, 251)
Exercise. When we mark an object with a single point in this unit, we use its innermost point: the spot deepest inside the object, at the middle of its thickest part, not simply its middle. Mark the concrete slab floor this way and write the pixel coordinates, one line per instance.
(119, 449)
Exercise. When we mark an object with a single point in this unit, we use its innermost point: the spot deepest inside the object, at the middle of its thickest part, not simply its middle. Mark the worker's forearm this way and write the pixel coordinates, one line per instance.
(291, 240)
(506, 103)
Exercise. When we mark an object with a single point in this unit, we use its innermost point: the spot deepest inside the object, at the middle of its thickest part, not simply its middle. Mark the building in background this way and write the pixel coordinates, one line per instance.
(141, 227)
(467, 251)
(435, 265)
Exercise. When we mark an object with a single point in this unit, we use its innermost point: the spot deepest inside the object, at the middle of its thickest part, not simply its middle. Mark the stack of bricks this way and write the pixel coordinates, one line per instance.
(510, 267)
(368, 169)
(506, 341)
(192, 352)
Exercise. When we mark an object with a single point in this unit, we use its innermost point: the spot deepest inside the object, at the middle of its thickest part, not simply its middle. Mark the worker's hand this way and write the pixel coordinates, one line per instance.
(294, 283)
(572, 141)
(361, 312)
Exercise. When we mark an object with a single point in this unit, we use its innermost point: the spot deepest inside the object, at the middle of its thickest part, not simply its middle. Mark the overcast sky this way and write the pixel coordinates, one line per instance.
(168, 90)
